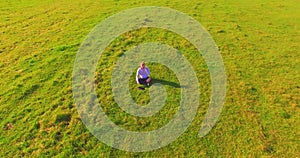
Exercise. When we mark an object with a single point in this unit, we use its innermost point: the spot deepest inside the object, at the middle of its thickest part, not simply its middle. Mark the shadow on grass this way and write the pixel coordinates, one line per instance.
(165, 82)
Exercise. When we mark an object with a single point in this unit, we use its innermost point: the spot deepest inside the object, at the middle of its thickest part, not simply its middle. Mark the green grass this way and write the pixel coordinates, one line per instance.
(259, 42)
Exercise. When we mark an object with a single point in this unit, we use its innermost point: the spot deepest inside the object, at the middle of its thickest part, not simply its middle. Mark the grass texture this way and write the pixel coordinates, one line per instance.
(259, 43)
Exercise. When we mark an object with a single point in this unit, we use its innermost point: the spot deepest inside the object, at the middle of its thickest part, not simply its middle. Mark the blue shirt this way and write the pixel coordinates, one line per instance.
(142, 73)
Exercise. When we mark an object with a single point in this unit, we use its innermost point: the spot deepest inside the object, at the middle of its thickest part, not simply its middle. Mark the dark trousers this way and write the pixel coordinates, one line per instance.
(143, 80)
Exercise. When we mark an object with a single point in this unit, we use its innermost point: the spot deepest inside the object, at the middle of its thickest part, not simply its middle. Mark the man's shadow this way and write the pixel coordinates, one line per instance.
(165, 82)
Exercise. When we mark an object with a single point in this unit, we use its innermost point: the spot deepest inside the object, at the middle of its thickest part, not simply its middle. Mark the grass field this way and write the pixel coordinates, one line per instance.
(258, 40)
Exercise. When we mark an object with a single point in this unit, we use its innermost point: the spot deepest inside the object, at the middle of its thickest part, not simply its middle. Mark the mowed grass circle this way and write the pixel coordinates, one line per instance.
(160, 74)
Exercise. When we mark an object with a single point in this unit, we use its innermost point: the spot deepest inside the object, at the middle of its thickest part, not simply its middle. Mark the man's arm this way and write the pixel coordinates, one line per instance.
(137, 76)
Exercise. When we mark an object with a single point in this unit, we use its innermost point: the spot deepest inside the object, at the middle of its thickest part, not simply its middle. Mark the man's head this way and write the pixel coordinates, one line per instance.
(142, 64)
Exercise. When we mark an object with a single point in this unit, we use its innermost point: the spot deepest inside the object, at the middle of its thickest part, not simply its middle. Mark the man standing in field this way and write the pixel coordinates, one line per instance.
(142, 74)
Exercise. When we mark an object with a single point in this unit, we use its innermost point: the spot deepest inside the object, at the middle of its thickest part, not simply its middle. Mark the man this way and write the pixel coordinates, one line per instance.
(142, 74)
